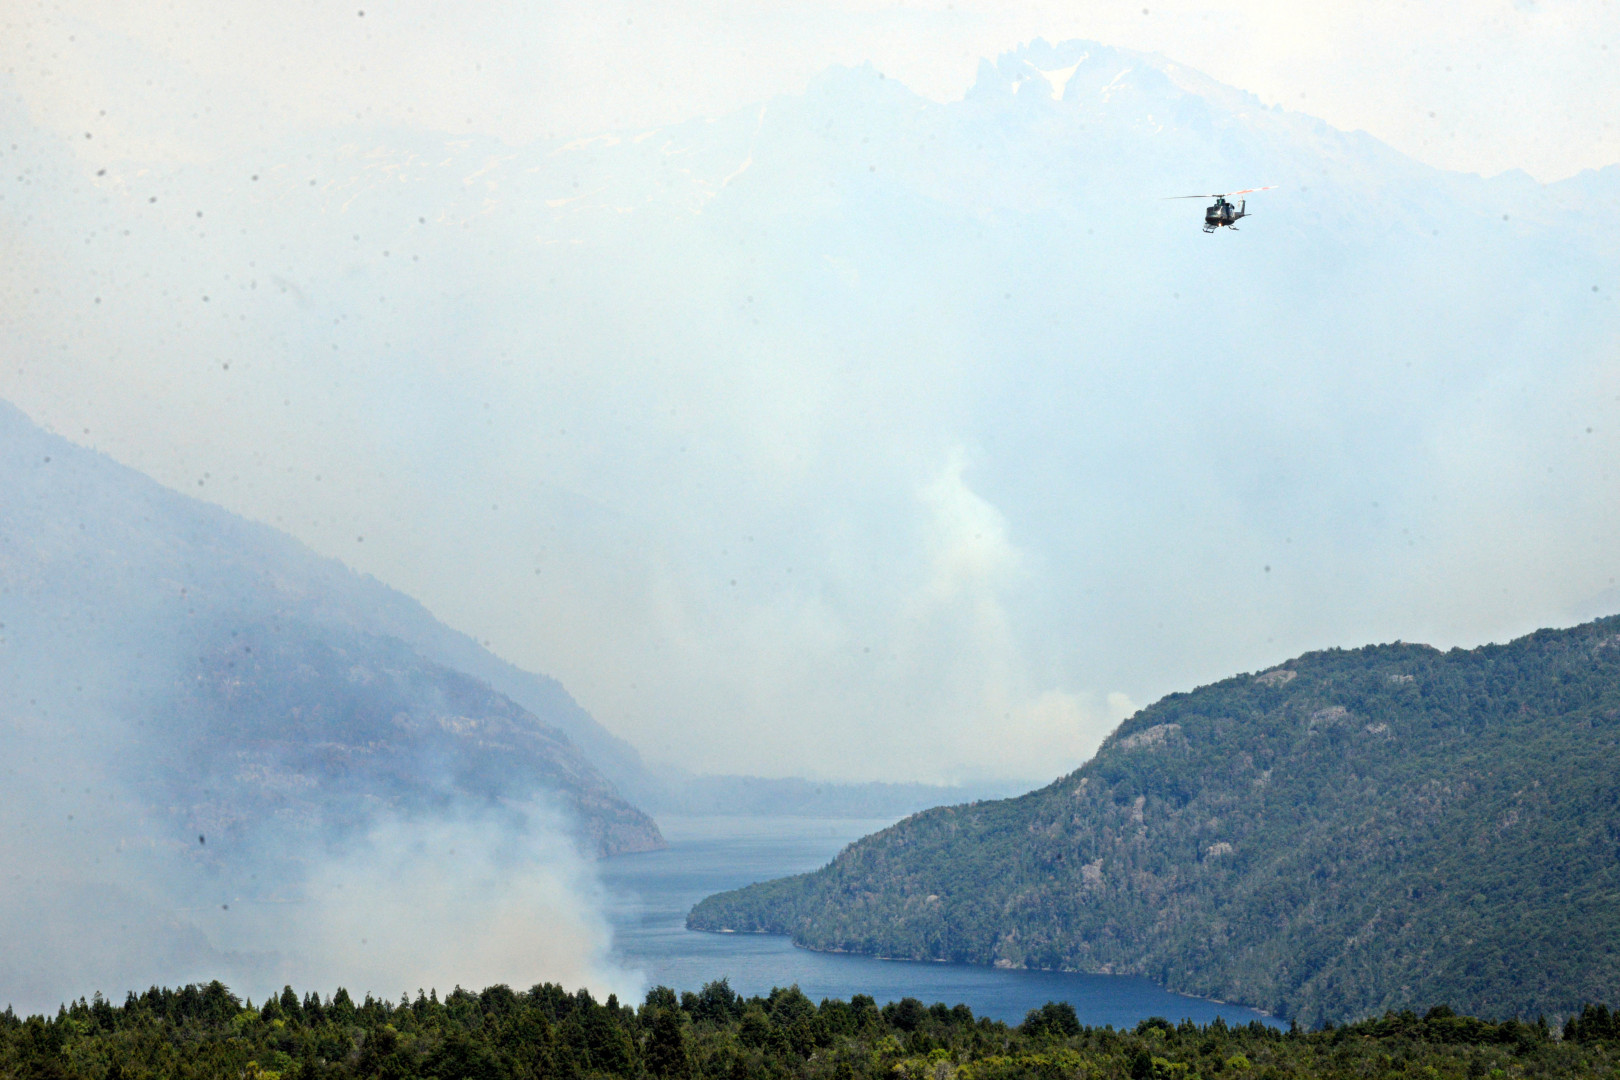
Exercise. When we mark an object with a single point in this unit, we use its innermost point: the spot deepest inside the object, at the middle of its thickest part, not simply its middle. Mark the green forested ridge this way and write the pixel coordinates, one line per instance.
(550, 1034)
(1354, 831)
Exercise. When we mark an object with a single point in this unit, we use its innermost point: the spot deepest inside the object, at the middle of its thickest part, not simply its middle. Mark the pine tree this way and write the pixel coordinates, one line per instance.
(667, 1058)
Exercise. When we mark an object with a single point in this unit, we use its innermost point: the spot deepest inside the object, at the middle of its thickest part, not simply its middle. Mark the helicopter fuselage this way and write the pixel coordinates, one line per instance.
(1225, 214)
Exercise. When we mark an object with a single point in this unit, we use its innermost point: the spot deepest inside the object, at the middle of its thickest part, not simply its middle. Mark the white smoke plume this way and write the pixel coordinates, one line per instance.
(99, 894)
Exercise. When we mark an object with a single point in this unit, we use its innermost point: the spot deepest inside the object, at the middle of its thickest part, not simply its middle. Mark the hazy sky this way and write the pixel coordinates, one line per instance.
(793, 447)
(1479, 85)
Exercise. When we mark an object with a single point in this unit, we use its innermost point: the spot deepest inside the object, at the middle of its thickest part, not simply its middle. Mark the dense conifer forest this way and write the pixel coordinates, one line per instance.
(547, 1032)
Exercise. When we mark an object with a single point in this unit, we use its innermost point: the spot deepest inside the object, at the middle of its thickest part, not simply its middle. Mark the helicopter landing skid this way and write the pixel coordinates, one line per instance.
(1209, 228)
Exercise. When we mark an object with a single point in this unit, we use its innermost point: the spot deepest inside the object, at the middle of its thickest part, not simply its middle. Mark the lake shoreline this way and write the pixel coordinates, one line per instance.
(651, 894)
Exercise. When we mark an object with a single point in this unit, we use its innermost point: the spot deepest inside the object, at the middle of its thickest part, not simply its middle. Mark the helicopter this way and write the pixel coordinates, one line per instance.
(1223, 212)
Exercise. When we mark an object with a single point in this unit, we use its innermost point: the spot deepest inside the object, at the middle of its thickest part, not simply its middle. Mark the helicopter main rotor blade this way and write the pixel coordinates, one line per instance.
(1222, 194)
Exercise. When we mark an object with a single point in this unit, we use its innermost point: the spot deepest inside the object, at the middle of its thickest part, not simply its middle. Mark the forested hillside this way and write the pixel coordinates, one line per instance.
(250, 685)
(1353, 831)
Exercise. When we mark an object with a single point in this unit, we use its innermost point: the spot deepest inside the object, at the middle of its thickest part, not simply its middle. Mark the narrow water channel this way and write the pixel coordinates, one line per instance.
(650, 894)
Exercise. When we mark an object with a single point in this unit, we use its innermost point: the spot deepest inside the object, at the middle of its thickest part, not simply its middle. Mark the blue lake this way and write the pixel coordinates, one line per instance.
(650, 894)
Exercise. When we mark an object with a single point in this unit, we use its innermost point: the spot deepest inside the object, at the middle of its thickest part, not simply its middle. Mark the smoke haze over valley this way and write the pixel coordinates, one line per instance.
(226, 755)
(849, 412)
(831, 395)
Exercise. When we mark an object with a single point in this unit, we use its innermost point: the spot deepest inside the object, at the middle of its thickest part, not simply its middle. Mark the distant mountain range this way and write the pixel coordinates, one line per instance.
(841, 333)
(755, 796)
(1352, 831)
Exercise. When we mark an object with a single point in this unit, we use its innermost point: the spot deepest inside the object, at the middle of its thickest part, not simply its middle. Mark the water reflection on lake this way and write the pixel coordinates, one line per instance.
(650, 894)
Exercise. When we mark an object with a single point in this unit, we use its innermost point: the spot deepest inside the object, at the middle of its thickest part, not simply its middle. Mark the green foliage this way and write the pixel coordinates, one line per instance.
(1055, 1018)
(1354, 832)
(667, 1058)
(546, 1033)
(1595, 1023)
